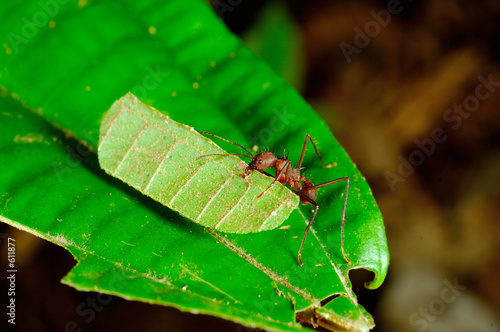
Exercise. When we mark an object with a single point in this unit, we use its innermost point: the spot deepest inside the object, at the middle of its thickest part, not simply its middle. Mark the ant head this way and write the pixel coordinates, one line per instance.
(262, 161)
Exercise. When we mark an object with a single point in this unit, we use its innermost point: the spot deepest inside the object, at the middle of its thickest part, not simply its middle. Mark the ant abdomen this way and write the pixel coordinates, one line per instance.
(311, 193)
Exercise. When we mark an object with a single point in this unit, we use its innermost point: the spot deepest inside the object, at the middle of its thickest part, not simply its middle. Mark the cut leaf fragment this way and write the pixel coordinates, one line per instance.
(158, 156)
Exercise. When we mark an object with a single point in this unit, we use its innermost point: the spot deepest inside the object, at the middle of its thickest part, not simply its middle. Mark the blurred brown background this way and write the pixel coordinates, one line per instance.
(410, 105)
(411, 89)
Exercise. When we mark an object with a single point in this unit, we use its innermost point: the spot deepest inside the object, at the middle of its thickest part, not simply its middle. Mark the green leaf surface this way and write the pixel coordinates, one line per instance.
(178, 57)
(158, 156)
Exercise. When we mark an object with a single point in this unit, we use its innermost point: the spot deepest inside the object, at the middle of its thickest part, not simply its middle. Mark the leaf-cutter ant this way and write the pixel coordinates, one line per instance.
(286, 174)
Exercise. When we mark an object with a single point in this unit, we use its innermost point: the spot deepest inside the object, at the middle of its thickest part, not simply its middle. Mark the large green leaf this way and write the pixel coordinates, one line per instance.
(69, 63)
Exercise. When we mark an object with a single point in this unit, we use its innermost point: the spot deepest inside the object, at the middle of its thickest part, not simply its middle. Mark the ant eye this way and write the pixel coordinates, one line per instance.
(260, 161)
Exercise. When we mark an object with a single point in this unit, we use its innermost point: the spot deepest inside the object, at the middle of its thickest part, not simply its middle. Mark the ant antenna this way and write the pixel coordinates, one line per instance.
(223, 154)
(228, 154)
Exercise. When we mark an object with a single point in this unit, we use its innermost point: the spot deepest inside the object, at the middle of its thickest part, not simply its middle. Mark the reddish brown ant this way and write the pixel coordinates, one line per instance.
(286, 174)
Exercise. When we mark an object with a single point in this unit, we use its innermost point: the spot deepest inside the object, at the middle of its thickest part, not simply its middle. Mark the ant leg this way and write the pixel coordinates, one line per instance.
(343, 210)
(309, 224)
(222, 155)
(286, 167)
(308, 137)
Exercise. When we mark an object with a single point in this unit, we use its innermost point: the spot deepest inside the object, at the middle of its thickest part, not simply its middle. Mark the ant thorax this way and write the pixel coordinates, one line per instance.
(291, 177)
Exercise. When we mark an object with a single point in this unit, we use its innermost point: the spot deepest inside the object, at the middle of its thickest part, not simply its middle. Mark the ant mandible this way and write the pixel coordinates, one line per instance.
(286, 174)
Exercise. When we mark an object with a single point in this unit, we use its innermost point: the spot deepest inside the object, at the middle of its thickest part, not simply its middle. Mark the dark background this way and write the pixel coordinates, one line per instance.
(383, 104)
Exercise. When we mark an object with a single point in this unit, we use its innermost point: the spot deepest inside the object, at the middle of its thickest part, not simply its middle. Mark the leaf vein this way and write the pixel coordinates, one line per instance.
(234, 207)
(208, 283)
(111, 124)
(160, 164)
(185, 184)
(130, 148)
(271, 274)
(213, 197)
(271, 213)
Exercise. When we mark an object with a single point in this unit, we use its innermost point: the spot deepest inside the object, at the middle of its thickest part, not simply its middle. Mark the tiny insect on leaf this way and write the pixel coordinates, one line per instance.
(158, 156)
